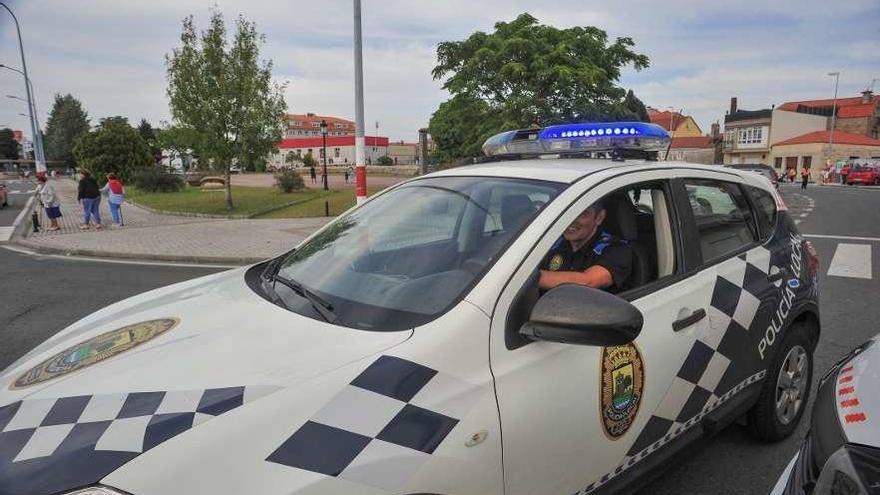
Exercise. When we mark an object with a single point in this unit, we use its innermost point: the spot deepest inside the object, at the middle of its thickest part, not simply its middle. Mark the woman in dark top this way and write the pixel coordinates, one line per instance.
(90, 196)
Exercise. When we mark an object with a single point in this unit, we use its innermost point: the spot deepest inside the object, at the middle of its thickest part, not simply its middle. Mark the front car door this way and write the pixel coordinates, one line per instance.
(568, 425)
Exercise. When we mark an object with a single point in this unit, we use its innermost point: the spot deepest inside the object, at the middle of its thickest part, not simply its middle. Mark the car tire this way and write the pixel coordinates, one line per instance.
(769, 419)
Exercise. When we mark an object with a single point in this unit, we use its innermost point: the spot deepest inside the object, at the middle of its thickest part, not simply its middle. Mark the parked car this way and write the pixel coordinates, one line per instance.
(864, 174)
(841, 453)
(765, 170)
(4, 196)
(388, 351)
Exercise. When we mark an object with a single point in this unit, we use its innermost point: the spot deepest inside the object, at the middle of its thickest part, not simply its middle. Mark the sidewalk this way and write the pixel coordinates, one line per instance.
(151, 236)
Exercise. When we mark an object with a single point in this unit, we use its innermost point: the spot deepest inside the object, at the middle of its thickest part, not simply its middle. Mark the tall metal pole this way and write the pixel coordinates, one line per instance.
(359, 161)
(833, 116)
(37, 137)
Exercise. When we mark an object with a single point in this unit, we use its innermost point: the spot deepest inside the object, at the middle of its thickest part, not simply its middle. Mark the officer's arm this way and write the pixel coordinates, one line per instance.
(595, 276)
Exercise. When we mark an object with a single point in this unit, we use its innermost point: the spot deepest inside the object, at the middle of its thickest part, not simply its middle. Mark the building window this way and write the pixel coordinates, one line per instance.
(777, 162)
(750, 135)
(336, 152)
(807, 162)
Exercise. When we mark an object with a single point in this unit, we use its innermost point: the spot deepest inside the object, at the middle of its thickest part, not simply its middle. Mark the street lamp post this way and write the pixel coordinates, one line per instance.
(38, 139)
(324, 168)
(836, 76)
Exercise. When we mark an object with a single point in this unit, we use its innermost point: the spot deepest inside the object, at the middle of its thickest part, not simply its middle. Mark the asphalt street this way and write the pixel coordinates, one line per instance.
(41, 295)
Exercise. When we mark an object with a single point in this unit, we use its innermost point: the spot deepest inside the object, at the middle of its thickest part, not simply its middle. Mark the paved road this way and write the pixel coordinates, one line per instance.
(18, 191)
(42, 295)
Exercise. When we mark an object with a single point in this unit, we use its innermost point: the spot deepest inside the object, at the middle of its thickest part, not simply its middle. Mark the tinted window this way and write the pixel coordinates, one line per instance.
(766, 210)
(723, 218)
(402, 259)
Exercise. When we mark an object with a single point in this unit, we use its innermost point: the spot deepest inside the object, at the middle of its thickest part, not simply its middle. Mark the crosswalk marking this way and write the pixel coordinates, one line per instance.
(5, 233)
(851, 260)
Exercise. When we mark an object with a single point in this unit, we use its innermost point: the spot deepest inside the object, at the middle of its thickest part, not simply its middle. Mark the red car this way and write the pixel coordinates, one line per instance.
(864, 174)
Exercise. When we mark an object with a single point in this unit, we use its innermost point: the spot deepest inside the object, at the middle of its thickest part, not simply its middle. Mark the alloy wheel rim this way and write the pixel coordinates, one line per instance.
(791, 384)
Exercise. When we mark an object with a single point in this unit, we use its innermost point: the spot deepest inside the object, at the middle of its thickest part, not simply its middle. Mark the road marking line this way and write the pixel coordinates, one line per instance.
(803, 215)
(119, 261)
(851, 260)
(797, 222)
(842, 237)
(6, 233)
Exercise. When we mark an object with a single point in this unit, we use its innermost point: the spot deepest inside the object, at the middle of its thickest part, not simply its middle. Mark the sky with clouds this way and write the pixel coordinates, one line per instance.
(110, 53)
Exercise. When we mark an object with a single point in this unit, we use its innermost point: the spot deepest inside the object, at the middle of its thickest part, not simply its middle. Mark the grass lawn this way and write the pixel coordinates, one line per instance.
(340, 200)
(247, 200)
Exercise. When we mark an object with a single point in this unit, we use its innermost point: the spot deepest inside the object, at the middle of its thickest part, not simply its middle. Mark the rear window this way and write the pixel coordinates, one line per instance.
(723, 218)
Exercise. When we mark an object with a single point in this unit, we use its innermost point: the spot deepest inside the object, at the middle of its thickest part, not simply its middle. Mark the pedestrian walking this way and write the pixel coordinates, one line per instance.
(791, 174)
(89, 195)
(49, 199)
(805, 177)
(844, 172)
(115, 196)
(345, 174)
(313, 175)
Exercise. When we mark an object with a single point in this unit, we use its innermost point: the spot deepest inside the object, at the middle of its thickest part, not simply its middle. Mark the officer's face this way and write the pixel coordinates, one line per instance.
(584, 225)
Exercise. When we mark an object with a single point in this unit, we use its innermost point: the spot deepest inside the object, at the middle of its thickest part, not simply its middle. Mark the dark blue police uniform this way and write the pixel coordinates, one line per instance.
(603, 250)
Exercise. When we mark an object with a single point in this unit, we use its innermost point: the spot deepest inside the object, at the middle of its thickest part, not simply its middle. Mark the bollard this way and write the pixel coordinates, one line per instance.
(326, 208)
(36, 221)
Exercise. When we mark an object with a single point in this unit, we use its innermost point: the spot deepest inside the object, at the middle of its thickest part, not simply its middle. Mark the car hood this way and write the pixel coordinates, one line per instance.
(858, 404)
(141, 371)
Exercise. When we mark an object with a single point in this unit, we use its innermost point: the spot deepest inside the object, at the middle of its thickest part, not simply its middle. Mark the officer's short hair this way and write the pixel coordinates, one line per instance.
(599, 204)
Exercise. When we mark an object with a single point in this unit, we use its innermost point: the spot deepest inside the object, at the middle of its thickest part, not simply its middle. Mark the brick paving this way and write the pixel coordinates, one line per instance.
(154, 236)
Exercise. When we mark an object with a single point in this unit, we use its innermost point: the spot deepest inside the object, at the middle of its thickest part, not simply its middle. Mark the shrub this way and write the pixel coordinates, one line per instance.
(155, 179)
(289, 181)
(384, 160)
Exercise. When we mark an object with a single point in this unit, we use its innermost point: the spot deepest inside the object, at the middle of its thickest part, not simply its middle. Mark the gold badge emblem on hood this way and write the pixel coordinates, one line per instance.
(95, 350)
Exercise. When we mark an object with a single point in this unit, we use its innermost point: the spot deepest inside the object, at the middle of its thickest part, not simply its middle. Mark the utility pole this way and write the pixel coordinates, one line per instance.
(360, 167)
(836, 76)
(37, 135)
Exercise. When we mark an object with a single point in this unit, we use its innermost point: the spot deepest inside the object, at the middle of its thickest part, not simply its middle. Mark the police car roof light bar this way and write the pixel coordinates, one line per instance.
(567, 139)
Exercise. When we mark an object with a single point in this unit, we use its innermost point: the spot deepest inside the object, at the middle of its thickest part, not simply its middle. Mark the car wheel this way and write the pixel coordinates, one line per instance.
(786, 389)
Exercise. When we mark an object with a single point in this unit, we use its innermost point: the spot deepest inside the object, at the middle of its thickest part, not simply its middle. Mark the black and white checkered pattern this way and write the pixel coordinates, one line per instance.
(382, 427)
(50, 438)
(714, 369)
(671, 434)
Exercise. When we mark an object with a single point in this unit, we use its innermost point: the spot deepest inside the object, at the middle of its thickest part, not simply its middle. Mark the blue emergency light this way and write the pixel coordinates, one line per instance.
(578, 138)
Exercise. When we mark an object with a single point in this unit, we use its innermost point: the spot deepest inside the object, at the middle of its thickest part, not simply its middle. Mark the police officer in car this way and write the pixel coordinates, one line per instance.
(587, 254)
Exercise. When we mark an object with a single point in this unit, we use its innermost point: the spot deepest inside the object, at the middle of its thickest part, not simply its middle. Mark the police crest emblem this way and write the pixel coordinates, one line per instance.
(555, 262)
(622, 382)
(94, 350)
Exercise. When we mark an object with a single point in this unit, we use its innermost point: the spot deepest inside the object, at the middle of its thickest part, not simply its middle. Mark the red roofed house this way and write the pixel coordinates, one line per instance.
(693, 149)
(677, 124)
(810, 150)
(309, 124)
(303, 137)
(857, 115)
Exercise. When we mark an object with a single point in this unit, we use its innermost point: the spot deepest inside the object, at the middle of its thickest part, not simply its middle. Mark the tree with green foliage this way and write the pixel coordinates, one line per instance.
(635, 105)
(67, 123)
(114, 146)
(178, 142)
(309, 160)
(148, 134)
(225, 95)
(9, 147)
(527, 74)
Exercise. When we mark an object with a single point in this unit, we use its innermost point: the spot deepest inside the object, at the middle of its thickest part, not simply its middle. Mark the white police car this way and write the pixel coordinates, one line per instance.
(841, 454)
(406, 348)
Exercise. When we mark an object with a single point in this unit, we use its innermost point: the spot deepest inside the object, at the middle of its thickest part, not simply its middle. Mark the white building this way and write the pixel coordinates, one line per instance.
(340, 150)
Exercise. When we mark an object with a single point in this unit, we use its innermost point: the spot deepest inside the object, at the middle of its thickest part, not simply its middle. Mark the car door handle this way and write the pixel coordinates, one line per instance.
(778, 275)
(682, 323)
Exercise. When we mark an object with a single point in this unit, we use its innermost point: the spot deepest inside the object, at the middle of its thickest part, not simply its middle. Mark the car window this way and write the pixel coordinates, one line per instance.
(765, 215)
(723, 219)
(405, 257)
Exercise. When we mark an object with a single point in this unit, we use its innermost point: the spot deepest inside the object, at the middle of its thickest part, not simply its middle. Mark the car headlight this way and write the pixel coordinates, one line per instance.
(851, 470)
(95, 490)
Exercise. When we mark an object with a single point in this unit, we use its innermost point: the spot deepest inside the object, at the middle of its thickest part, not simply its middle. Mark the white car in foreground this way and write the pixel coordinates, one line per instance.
(406, 348)
(841, 454)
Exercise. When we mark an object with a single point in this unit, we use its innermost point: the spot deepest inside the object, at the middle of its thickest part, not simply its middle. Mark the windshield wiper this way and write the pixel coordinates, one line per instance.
(324, 308)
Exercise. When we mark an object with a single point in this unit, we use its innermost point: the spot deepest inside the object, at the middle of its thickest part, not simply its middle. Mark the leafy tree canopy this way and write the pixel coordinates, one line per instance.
(225, 95)
(148, 134)
(528, 74)
(67, 123)
(115, 146)
(9, 147)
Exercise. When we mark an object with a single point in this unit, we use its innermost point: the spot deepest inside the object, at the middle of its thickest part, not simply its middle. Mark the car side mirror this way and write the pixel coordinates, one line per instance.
(576, 314)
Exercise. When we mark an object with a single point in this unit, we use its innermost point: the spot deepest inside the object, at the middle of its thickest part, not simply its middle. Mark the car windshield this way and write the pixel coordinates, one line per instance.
(407, 256)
